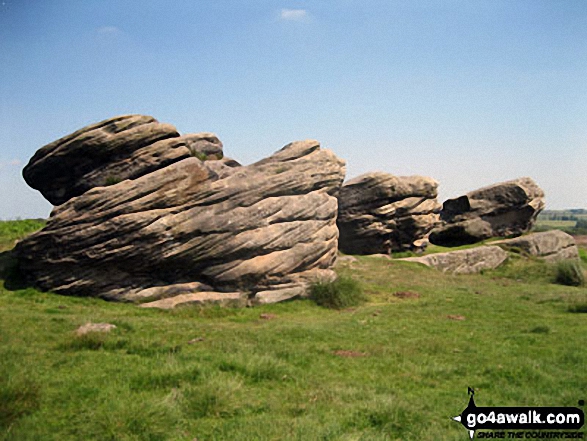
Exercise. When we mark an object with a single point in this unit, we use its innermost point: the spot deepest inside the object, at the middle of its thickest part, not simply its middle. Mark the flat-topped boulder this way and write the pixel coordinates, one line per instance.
(195, 226)
(381, 213)
(500, 210)
(119, 148)
(468, 261)
(551, 246)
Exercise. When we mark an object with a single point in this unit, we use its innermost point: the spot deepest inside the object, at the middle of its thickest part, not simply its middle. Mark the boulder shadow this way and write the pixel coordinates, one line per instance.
(10, 272)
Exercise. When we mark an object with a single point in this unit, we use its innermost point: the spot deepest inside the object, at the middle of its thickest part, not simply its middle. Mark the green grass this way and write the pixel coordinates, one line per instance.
(11, 231)
(112, 180)
(550, 224)
(341, 293)
(390, 369)
(569, 273)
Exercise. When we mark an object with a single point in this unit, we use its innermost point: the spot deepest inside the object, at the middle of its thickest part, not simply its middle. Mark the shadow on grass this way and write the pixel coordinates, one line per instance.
(10, 271)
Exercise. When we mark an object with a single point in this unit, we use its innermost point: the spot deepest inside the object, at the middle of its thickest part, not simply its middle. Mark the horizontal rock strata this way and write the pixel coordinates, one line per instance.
(124, 147)
(500, 210)
(380, 213)
(192, 226)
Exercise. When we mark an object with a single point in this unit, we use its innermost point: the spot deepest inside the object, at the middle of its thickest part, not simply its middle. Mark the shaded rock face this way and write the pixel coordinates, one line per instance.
(508, 208)
(551, 246)
(124, 147)
(193, 226)
(380, 213)
(469, 261)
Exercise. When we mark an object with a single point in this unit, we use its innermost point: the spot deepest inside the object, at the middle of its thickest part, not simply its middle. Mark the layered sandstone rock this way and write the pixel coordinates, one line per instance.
(119, 148)
(500, 210)
(380, 213)
(181, 225)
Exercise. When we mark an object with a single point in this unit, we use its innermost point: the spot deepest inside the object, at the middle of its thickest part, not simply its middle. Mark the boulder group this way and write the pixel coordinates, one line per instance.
(145, 214)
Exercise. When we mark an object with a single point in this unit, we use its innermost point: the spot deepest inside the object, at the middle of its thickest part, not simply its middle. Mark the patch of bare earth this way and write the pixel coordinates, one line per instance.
(455, 317)
(349, 354)
(267, 316)
(406, 295)
(581, 241)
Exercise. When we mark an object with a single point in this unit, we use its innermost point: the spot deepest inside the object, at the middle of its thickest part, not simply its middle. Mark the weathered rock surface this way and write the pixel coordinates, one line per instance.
(199, 298)
(504, 209)
(380, 213)
(94, 327)
(551, 246)
(191, 226)
(468, 261)
(124, 147)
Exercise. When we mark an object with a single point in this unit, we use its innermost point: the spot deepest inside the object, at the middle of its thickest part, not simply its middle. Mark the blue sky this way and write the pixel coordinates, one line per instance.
(470, 92)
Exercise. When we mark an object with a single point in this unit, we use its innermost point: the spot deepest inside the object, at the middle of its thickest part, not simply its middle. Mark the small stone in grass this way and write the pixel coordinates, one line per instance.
(455, 317)
(94, 327)
(267, 316)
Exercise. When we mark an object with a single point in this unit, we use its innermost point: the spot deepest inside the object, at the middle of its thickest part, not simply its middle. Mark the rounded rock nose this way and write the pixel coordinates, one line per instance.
(118, 148)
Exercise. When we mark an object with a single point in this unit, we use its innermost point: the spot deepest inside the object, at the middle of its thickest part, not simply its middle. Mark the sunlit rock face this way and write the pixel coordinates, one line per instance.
(145, 214)
(500, 210)
(380, 213)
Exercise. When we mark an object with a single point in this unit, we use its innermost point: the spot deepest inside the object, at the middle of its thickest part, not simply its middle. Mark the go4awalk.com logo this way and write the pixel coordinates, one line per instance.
(522, 422)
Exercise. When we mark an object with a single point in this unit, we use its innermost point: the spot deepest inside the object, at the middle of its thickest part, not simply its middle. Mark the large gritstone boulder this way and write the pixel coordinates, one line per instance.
(191, 226)
(380, 213)
(500, 210)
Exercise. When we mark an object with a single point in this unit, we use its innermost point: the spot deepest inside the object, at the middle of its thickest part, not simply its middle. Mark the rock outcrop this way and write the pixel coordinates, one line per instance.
(468, 261)
(551, 246)
(124, 147)
(380, 213)
(180, 225)
(500, 210)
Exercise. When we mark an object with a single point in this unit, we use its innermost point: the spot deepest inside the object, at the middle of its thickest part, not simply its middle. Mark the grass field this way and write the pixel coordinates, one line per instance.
(395, 368)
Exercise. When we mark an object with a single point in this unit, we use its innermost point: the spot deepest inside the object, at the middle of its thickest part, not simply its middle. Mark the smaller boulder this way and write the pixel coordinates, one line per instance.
(500, 210)
(203, 145)
(551, 246)
(469, 261)
(278, 295)
(381, 213)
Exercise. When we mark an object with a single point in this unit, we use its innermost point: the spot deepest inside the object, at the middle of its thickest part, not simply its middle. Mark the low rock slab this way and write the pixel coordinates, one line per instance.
(469, 261)
(200, 298)
(278, 295)
(551, 246)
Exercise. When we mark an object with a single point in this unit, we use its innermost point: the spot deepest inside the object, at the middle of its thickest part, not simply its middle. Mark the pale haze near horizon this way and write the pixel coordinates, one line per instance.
(468, 92)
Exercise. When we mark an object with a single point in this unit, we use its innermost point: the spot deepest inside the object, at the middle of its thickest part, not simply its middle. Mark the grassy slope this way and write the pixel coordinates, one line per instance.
(253, 378)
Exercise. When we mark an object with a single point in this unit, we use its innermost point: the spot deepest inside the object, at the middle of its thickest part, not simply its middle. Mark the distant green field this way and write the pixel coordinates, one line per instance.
(395, 368)
(572, 221)
(555, 223)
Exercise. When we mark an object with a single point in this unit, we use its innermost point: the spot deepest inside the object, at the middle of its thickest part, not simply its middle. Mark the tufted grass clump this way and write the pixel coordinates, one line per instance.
(343, 292)
(112, 180)
(18, 398)
(568, 272)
